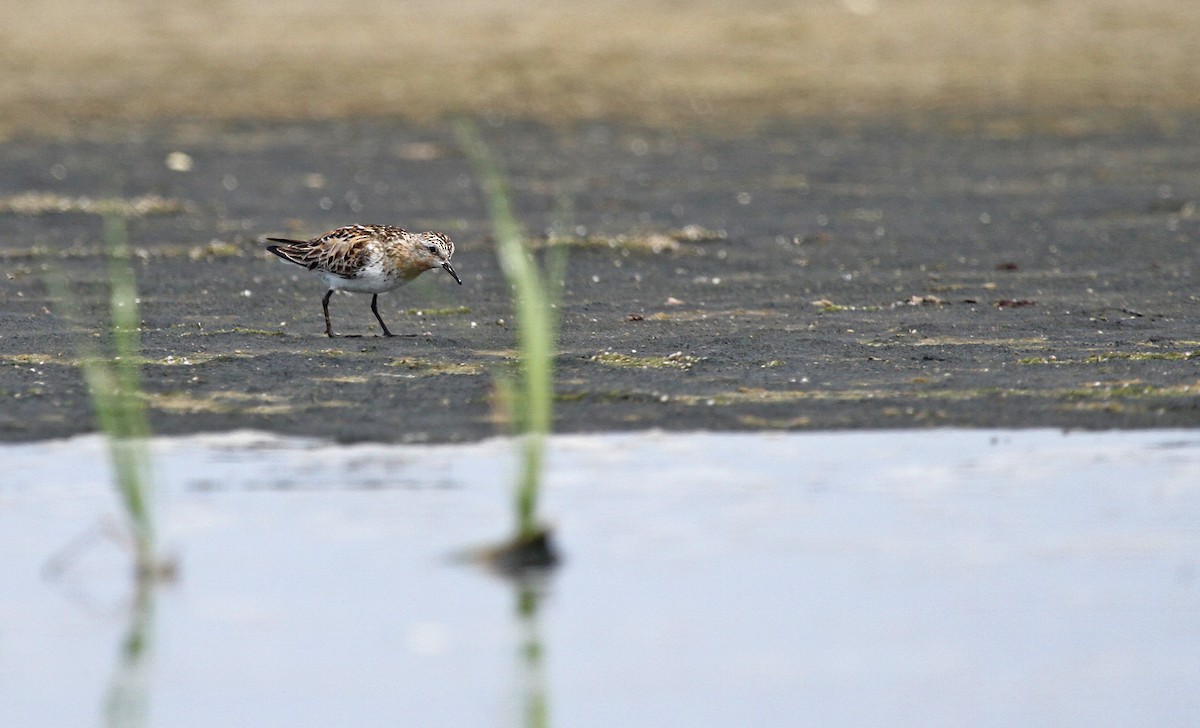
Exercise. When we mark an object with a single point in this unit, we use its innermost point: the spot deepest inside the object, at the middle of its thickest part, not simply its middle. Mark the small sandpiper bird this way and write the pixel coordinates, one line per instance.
(367, 259)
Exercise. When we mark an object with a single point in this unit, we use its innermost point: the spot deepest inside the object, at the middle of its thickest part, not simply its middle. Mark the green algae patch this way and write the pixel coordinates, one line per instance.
(170, 360)
(774, 423)
(653, 242)
(704, 315)
(1141, 356)
(39, 359)
(1114, 356)
(229, 402)
(678, 360)
(248, 331)
(344, 379)
(215, 249)
(824, 305)
(450, 311)
(1131, 389)
(429, 367)
(48, 203)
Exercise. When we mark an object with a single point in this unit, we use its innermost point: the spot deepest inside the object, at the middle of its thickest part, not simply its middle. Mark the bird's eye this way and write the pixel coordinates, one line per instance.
(431, 249)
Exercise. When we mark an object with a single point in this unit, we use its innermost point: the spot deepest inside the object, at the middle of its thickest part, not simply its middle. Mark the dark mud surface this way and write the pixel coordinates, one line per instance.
(891, 273)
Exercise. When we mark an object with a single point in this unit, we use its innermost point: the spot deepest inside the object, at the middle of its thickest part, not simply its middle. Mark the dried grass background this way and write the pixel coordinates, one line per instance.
(654, 61)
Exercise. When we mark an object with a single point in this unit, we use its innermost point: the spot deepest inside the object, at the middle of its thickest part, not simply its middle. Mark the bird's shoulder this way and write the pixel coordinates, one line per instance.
(347, 250)
(364, 234)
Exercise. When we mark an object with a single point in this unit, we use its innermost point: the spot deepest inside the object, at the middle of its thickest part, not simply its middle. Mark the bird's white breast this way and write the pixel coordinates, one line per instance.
(374, 277)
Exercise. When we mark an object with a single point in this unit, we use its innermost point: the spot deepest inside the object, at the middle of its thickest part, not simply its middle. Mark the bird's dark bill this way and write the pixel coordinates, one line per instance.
(450, 270)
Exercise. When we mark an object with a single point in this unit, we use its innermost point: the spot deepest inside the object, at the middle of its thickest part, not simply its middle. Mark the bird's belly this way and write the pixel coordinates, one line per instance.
(374, 278)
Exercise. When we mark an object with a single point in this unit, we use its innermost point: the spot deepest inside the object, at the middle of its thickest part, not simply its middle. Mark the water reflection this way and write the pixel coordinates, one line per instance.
(967, 577)
(127, 701)
(529, 591)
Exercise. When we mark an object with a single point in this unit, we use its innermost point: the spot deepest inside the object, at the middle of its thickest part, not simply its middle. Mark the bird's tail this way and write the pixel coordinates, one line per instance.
(293, 251)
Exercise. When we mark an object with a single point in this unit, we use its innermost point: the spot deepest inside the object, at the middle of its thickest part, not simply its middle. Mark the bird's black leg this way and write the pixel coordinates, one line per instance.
(325, 308)
(375, 310)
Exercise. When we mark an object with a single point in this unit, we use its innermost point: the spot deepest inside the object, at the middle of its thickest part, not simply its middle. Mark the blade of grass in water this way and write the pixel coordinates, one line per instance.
(114, 384)
(536, 326)
(131, 428)
(537, 703)
(127, 702)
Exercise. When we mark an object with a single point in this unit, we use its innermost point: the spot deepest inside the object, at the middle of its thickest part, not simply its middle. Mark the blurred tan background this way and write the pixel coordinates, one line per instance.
(655, 61)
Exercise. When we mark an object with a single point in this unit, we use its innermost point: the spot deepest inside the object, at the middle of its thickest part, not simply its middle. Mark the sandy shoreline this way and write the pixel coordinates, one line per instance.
(708, 62)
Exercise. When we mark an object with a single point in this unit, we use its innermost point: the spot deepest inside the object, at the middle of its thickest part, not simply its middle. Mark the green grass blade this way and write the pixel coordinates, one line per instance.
(114, 385)
(536, 324)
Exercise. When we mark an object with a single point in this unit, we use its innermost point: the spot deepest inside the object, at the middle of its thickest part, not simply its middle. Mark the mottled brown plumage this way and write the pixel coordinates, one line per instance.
(367, 259)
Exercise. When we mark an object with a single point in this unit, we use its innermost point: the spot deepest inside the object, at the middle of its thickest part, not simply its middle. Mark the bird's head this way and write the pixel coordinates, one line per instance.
(434, 249)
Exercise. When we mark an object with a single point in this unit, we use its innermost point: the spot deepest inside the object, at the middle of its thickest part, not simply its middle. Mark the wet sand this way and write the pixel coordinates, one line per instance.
(890, 271)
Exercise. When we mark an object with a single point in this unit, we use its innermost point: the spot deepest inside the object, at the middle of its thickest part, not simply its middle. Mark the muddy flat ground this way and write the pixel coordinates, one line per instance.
(917, 242)
(809, 276)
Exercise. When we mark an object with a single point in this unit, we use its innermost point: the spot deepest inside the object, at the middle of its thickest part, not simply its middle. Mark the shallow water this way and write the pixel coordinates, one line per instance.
(946, 577)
